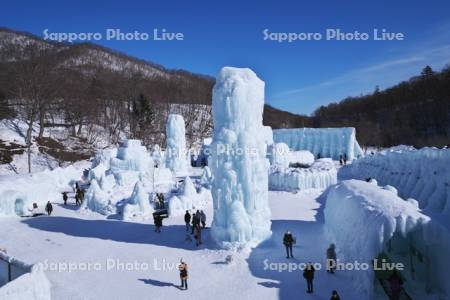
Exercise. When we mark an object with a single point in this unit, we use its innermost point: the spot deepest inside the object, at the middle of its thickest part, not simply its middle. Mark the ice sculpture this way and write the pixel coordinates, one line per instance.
(132, 156)
(97, 200)
(176, 154)
(238, 160)
(138, 205)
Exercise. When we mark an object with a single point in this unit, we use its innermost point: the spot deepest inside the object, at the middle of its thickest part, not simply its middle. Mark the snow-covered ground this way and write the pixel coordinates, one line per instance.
(70, 237)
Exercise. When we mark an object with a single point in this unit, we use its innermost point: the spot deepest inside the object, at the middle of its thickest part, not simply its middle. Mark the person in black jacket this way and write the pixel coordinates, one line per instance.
(49, 208)
(158, 223)
(335, 296)
(64, 194)
(308, 274)
(288, 241)
(195, 221)
(331, 259)
(187, 220)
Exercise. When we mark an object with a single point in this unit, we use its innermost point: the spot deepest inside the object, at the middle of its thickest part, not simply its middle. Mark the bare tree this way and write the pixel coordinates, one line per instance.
(30, 84)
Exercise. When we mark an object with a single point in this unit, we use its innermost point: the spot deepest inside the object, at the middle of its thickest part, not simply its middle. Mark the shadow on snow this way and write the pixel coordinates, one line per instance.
(173, 236)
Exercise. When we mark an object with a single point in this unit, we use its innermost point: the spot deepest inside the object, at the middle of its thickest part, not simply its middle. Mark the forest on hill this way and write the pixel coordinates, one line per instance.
(414, 112)
(87, 86)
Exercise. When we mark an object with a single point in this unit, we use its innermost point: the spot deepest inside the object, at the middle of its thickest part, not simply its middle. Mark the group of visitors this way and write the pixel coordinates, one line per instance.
(196, 223)
(343, 159)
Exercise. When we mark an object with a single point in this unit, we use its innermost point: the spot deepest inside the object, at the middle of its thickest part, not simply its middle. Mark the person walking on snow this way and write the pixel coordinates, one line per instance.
(183, 274)
(64, 194)
(345, 158)
(78, 197)
(288, 241)
(158, 223)
(203, 218)
(331, 259)
(308, 274)
(187, 220)
(49, 208)
(198, 234)
(335, 296)
(195, 221)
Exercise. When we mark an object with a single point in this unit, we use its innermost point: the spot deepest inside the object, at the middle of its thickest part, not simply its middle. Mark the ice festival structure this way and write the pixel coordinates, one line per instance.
(322, 142)
(176, 153)
(238, 160)
(384, 226)
(420, 174)
(297, 170)
(126, 173)
(320, 175)
(19, 193)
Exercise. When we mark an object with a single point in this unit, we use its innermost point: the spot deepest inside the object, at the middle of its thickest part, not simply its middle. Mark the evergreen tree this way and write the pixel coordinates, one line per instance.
(427, 72)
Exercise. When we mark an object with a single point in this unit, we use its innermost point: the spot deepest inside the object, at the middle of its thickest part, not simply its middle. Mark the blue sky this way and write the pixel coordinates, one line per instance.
(300, 76)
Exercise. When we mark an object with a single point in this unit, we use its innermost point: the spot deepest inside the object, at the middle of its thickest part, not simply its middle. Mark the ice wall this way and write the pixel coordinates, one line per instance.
(420, 174)
(320, 175)
(360, 218)
(238, 160)
(176, 154)
(326, 142)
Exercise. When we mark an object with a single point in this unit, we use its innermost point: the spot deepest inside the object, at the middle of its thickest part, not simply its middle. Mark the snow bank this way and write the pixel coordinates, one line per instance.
(176, 154)
(138, 205)
(31, 286)
(238, 160)
(320, 175)
(360, 218)
(19, 192)
(323, 142)
(420, 174)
